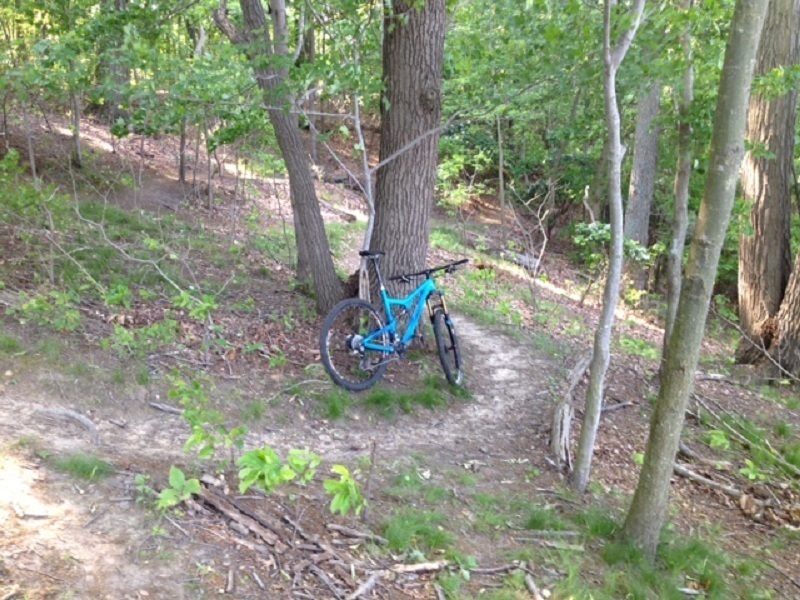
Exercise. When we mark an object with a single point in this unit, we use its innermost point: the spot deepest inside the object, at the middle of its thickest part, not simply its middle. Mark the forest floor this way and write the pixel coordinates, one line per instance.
(464, 478)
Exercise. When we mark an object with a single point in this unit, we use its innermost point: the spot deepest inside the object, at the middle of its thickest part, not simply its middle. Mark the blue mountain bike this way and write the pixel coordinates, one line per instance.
(356, 345)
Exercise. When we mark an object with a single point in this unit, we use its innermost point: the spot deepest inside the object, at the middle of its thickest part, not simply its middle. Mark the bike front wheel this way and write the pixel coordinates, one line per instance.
(447, 344)
(347, 361)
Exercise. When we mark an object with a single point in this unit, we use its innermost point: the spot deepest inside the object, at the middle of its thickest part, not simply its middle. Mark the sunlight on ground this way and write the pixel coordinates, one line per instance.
(18, 497)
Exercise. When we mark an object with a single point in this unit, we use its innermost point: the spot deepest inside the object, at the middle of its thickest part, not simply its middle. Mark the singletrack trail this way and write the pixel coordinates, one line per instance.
(505, 419)
(56, 524)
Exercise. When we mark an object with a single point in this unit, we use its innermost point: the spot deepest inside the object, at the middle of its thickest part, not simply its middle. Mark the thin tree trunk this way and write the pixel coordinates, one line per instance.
(597, 196)
(643, 176)
(313, 250)
(77, 153)
(683, 173)
(649, 507)
(31, 151)
(602, 340)
(501, 186)
(182, 153)
(765, 253)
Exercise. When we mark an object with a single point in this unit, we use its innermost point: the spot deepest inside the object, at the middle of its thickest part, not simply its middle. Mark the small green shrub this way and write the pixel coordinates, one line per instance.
(180, 489)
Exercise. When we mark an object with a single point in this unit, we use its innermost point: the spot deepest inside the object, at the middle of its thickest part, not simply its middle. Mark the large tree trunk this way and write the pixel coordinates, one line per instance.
(413, 51)
(649, 507)
(613, 57)
(313, 251)
(765, 253)
(643, 176)
(786, 350)
(683, 173)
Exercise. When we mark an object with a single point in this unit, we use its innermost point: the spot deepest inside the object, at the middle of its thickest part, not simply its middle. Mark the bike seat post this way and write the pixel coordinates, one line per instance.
(375, 261)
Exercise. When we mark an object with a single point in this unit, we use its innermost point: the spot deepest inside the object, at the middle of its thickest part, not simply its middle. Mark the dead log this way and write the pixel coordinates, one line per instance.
(563, 414)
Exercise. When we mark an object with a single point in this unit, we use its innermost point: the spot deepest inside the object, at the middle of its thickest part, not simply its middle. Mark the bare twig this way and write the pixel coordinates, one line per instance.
(323, 577)
(366, 587)
(425, 567)
(350, 532)
(167, 408)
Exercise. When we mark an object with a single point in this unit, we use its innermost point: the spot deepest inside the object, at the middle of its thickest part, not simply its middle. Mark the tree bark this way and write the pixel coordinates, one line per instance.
(313, 250)
(683, 173)
(765, 253)
(649, 507)
(643, 176)
(413, 53)
(602, 340)
(786, 350)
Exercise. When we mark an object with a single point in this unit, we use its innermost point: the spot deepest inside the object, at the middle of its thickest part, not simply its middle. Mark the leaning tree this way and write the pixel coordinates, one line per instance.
(648, 510)
(267, 49)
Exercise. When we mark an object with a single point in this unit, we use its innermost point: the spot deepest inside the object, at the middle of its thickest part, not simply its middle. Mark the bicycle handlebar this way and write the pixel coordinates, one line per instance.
(449, 268)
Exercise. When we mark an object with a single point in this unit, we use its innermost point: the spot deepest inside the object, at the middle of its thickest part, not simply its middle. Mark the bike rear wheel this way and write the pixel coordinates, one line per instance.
(344, 357)
(447, 344)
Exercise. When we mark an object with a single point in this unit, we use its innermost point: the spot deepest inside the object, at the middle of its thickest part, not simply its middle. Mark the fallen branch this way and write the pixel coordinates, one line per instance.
(613, 407)
(225, 507)
(728, 490)
(709, 462)
(532, 587)
(365, 587)
(71, 415)
(425, 567)
(323, 577)
(562, 546)
(494, 570)
(167, 408)
(355, 533)
(779, 460)
(538, 534)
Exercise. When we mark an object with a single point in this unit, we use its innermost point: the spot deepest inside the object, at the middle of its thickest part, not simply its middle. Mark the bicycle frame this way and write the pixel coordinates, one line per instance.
(419, 299)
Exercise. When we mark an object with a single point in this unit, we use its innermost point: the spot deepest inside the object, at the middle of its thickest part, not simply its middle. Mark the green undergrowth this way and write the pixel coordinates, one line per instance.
(83, 466)
(432, 393)
(577, 551)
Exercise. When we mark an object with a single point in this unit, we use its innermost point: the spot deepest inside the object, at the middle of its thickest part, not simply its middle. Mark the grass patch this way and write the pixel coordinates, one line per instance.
(254, 411)
(9, 344)
(412, 529)
(640, 348)
(541, 518)
(596, 522)
(334, 404)
(386, 402)
(51, 349)
(83, 466)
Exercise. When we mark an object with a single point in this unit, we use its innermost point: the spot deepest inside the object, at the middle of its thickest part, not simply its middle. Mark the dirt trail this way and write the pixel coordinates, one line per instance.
(60, 537)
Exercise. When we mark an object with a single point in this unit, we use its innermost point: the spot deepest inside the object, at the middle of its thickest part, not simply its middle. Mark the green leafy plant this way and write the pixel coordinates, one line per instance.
(208, 426)
(752, 471)
(346, 492)
(144, 491)
(264, 469)
(717, 439)
(304, 463)
(180, 489)
(57, 309)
